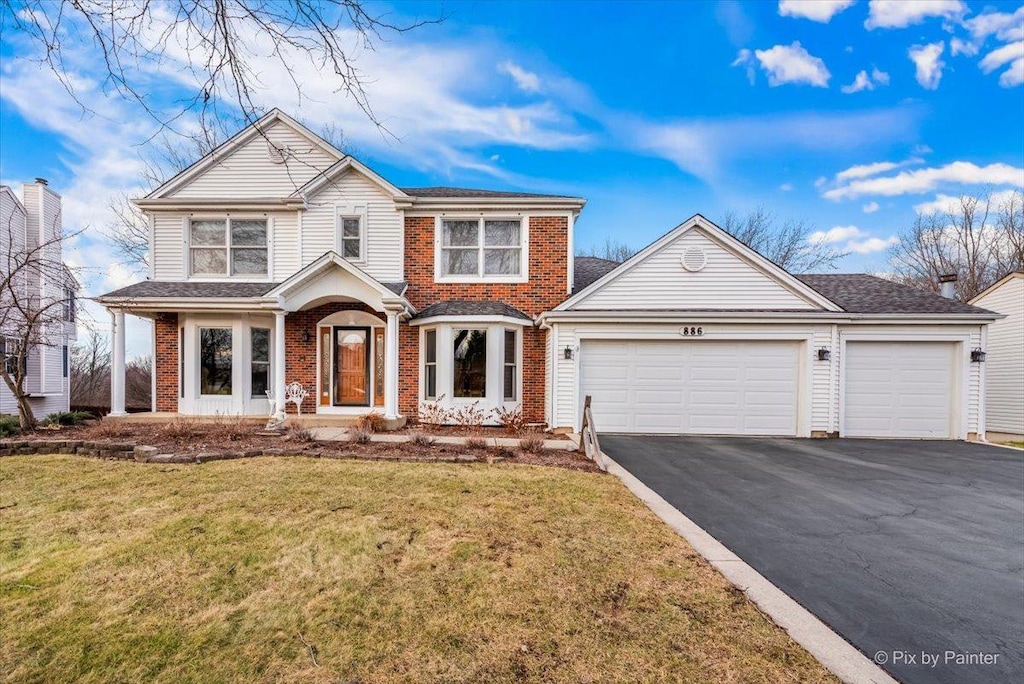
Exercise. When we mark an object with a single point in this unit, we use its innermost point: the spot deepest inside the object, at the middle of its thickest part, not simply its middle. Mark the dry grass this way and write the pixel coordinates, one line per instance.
(241, 571)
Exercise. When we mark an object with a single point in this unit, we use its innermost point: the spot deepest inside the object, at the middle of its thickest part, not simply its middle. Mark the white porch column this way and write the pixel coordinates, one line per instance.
(391, 366)
(279, 365)
(117, 363)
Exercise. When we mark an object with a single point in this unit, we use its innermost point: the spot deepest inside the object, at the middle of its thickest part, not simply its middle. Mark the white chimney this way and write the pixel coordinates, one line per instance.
(947, 285)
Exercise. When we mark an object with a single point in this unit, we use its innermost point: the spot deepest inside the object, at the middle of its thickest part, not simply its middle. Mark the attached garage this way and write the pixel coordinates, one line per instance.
(899, 389)
(700, 387)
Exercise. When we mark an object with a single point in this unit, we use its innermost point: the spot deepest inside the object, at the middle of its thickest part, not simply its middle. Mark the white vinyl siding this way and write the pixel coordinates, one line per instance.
(353, 194)
(169, 246)
(285, 246)
(1004, 362)
(250, 171)
(693, 387)
(726, 282)
(900, 389)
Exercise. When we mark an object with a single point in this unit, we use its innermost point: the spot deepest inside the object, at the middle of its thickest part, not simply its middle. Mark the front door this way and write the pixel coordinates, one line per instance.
(351, 366)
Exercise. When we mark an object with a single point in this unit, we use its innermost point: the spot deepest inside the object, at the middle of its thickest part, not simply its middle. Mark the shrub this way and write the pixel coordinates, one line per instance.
(421, 439)
(372, 422)
(476, 442)
(361, 435)
(531, 444)
(181, 429)
(470, 416)
(510, 419)
(67, 418)
(434, 412)
(9, 426)
(301, 434)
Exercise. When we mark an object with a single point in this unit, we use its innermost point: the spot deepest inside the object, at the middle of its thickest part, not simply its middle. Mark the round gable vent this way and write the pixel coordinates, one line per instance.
(694, 259)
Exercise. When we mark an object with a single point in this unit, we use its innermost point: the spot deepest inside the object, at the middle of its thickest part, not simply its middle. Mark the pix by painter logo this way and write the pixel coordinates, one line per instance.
(935, 658)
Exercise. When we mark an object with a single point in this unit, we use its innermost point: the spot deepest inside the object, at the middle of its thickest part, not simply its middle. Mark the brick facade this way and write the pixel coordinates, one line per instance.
(166, 364)
(546, 288)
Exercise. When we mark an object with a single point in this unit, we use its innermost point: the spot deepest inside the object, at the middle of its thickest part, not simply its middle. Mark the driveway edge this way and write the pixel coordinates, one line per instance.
(829, 648)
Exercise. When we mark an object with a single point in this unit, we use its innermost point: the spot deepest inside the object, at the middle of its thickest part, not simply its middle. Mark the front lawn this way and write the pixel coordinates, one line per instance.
(304, 570)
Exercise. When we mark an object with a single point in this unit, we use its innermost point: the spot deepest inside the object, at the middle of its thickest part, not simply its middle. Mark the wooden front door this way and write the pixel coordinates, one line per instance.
(351, 366)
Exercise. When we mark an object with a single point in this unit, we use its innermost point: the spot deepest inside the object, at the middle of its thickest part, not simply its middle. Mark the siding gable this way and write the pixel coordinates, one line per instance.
(729, 280)
(251, 172)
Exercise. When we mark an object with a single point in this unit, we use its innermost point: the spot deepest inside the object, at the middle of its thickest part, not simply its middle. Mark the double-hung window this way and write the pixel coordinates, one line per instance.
(509, 367)
(231, 246)
(481, 248)
(351, 237)
(430, 364)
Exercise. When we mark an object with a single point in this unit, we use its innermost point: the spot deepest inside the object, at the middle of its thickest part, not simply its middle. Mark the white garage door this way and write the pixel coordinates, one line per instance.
(899, 389)
(695, 387)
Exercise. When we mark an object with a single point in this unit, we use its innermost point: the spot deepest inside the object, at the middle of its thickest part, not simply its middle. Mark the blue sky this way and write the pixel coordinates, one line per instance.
(851, 115)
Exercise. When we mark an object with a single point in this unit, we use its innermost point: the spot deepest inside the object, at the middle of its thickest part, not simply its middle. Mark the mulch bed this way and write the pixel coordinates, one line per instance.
(185, 442)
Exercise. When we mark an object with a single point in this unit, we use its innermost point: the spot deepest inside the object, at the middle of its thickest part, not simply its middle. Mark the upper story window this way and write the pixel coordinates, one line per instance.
(68, 305)
(351, 237)
(481, 248)
(221, 247)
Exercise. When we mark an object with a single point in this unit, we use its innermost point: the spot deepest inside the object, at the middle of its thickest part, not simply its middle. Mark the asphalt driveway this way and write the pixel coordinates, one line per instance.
(909, 549)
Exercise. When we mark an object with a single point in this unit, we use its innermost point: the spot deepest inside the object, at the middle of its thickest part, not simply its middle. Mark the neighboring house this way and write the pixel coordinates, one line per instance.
(27, 222)
(1004, 364)
(278, 252)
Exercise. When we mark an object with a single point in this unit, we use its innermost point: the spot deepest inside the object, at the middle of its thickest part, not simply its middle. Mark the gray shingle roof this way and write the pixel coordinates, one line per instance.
(460, 307)
(176, 289)
(473, 192)
(587, 269)
(867, 294)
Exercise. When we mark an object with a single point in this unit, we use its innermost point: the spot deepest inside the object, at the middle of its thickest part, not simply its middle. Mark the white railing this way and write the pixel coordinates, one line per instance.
(589, 446)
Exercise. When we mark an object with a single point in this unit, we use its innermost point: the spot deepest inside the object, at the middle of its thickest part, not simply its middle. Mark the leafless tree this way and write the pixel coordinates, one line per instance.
(37, 302)
(613, 250)
(212, 42)
(90, 371)
(978, 238)
(787, 244)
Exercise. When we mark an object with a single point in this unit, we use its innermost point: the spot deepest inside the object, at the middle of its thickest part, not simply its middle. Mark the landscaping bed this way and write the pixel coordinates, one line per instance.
(185, 441)
(303, 570)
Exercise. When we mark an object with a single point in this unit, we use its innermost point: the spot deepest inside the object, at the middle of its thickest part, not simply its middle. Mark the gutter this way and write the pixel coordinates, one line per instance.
(757, 317)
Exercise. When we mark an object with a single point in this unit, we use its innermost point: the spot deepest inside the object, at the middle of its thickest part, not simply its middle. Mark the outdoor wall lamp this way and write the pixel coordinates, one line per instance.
(824, 354)
(977, 356)
(568, 353)
(306, 339)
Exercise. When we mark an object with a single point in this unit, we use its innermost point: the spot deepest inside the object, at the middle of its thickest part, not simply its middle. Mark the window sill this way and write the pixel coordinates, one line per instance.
(469, 280)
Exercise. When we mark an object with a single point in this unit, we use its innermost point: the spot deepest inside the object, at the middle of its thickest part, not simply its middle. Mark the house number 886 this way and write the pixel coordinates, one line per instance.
(692, 331)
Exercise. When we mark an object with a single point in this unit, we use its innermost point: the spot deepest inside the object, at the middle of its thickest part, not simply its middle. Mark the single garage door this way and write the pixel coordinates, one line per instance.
(692, 387)
(899, 389)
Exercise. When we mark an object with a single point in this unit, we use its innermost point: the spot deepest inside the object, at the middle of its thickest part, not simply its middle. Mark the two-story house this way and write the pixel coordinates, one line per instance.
(37, 285)
(277, 258)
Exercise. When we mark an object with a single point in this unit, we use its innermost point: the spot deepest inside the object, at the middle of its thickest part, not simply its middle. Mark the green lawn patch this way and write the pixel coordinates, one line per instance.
(303, 570)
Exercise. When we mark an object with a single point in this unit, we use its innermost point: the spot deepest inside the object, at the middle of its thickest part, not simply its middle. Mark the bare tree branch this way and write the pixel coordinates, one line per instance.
(787, 245)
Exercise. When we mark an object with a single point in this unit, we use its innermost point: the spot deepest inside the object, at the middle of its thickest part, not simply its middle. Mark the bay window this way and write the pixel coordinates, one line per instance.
(229, 246)
(469, 363)
(215, 361)
(430, 364)
(508, 377)
(481, 248)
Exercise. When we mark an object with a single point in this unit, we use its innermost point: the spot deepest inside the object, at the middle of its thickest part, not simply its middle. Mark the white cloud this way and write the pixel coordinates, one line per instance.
(962, 47)
(865, 82)
(865, 170)
(745, 60)
(923, 180)
(702, 147)
(871, 245)
(1003, 25)
(786, 187)
(947, 203)
(792, 64)
(1014, 76)
(816, 10)
(928, 65)
(870, 207)
(525, 80)
(903, 13)
(834, 235)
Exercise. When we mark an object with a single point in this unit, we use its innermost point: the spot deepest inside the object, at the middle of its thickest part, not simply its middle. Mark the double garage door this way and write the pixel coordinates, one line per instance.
(891, 389)
(702, 387)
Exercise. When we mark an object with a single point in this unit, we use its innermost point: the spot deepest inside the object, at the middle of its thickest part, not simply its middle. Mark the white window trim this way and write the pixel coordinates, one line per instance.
(524, 246)
(494, 393)
(344, 211)
(227, 218)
